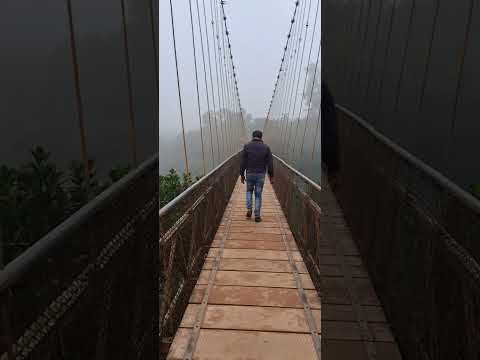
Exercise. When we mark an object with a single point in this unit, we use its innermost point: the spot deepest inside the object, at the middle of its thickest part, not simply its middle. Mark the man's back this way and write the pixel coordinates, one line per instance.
(256, 159)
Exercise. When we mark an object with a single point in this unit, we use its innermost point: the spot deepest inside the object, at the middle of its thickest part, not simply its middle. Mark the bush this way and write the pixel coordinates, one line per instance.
(172, 185)
(37, 196)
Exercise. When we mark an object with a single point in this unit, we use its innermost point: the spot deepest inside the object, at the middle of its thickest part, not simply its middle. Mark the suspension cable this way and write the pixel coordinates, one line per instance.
(179, 91)
(217, 115)
(228, 124)
(310, 103)
(313, 81)
(204, 74)
(281, 65)
(154, 40)
(295, 81)
(290, 80)
(131, 112)
(288, 73)
(233, 77)
(305, 79)
(198, 91)
(220, 80)
(211, 79)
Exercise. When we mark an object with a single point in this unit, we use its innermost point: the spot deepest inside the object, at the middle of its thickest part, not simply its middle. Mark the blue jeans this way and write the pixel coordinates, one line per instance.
(255, 184)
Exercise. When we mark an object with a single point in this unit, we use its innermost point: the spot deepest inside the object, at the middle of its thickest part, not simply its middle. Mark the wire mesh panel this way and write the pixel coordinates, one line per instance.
(187, 227)
(88, 289)
(418, 234)
(296, 195)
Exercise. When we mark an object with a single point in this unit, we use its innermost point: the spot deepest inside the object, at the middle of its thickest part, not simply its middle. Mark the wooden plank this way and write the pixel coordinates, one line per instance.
(245, 244)
(254, 236)
(245, 345)
(256, 265)
(255, 296)
(256, 254)
(264, 279)
(253, 318)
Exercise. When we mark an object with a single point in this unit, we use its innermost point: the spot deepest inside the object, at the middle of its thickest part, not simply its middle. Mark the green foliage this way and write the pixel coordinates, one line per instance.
(37, 196)
(172, 185)
(118, 172)
(476, 190)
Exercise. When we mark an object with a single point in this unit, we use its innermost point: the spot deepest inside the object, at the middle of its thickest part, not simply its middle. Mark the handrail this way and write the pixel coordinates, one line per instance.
(14, 270)
(472, 202)
(299, 174)
(165, 209)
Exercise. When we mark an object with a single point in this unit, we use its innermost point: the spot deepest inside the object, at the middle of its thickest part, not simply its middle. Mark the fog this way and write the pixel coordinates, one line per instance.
(257, 31)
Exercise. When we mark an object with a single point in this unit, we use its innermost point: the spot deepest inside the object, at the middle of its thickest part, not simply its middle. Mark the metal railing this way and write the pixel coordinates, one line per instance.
(187, 227)
(418, 234)
(299, 197)
(88, 289)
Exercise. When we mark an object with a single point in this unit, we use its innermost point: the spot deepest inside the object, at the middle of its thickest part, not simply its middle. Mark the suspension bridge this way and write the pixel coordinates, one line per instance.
(381, 264)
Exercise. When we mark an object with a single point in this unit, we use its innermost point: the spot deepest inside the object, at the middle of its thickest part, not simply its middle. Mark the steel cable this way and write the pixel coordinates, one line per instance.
(205, 76)
(187, 169)
(198, 91)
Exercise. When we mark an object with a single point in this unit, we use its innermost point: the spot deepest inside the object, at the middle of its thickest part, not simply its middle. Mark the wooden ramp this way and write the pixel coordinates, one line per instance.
(254, 298)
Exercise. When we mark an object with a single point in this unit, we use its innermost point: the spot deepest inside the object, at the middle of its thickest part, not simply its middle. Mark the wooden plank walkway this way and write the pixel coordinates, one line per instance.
(254, 307)
(247, 303)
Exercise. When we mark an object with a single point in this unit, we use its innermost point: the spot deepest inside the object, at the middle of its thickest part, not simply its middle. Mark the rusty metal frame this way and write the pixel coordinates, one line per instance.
(418, 235)
(187, 227)
(71, 283)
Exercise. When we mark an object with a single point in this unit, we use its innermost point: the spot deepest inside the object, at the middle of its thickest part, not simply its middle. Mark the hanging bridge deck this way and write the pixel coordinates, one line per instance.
(254, 298)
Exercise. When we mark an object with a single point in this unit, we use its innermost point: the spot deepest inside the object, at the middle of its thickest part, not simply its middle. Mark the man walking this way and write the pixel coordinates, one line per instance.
(256, 160)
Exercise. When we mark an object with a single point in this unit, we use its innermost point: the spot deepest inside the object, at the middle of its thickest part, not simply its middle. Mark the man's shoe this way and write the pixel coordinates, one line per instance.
(258, 219)
(249, 213)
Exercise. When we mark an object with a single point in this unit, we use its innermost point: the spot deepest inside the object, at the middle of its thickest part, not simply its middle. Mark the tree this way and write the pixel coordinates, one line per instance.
(37, 196)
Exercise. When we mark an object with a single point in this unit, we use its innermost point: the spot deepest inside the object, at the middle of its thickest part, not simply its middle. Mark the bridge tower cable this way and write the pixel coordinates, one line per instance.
(78, 91)
(285, 102)
(310, 106)
(288, 73)
(228, 75)
(154, 41)
(211, 79)
(198, 91)
(281, 65)
(228, 55)
(131, 113)
(228, 118)
(290, 94)
(232, 75)
(187, 170)
(306, 78)
(224, 120)
(217, 117)
(300, 70)
(206, 81)
(286, 63)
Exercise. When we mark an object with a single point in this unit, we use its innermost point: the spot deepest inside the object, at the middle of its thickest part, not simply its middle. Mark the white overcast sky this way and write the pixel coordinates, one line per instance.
(258, 30)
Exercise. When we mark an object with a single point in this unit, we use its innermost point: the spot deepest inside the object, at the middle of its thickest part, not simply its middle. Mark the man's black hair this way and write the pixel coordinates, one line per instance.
(257, 134)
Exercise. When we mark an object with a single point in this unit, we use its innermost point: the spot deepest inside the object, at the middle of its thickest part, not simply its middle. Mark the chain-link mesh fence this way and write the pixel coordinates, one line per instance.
(418, 235)
(88, 289)
(187, 227)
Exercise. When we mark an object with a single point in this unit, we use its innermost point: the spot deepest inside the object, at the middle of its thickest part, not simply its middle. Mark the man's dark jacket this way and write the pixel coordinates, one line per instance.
(256, 158)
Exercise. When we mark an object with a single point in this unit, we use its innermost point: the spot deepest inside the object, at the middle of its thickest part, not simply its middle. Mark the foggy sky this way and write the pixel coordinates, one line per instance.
(258, 32)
